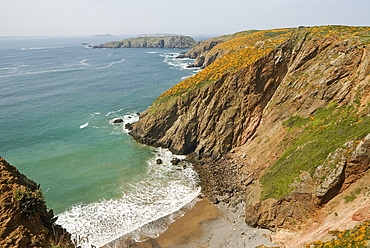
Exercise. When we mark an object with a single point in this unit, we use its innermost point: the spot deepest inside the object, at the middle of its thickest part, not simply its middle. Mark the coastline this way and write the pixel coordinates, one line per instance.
(207, 225)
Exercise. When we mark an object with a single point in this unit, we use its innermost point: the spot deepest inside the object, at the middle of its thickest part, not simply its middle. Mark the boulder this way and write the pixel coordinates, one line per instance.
(118, 120)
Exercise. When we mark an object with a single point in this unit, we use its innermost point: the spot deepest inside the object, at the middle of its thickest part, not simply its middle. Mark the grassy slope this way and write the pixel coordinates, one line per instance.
(318, 136)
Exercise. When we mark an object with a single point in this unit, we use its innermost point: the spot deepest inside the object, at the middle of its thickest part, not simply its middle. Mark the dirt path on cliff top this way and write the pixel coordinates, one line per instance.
(336, 214)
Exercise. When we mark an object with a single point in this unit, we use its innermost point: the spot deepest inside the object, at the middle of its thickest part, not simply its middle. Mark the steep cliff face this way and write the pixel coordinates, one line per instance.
(217, 118)
(24, 219)
(202, 51)
(293, 118)
(152, 42)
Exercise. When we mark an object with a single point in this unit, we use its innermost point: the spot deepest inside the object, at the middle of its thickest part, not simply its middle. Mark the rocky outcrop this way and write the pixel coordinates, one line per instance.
(218, 118)
(24, 219)
(200, 53)
(335, 175)
(152, 42)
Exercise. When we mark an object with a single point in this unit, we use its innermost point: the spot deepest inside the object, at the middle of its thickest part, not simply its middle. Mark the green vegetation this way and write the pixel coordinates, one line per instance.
(240, 52)
(357, 237)
(30, 202)
(245, 48)
(350, 198)
(321, 134)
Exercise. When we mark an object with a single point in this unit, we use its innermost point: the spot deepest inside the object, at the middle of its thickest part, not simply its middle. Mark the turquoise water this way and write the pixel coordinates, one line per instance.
(57, 102)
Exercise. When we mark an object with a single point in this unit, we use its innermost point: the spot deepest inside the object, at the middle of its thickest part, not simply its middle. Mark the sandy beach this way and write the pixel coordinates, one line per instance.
(208, 225)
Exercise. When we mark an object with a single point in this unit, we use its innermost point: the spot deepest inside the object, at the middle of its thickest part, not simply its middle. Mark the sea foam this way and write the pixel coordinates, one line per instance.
(165, 190)
(84, 125)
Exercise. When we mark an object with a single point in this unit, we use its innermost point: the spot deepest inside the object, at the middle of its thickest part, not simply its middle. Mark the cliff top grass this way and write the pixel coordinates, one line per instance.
(318, 135)
(239, 52)
(245, 48)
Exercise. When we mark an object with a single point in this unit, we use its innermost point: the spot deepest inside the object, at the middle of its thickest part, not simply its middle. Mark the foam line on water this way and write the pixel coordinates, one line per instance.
(179, 64)
(84, 125)
(40, 48)
(83, 62)
(153, 229)
(115, 62)
(41, 72)
(165, 190)
(114, 112)
(129, 118)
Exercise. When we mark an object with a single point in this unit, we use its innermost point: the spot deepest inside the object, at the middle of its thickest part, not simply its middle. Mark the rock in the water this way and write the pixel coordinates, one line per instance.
(159, 161)
(118, 120)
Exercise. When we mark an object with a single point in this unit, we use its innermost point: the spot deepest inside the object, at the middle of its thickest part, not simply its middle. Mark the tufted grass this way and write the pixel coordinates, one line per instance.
(321, 134)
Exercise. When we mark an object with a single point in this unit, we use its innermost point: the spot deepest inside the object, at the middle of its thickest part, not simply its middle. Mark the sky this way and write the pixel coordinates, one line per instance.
(123, 17)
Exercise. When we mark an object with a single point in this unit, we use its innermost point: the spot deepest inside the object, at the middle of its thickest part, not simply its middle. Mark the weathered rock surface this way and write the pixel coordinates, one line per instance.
(200, 53)
(16, 228)
(152, 42)
(241, 115)
(215, 119)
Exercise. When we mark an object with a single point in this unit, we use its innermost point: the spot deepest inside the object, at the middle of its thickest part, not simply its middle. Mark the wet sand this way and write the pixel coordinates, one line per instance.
(208, 225)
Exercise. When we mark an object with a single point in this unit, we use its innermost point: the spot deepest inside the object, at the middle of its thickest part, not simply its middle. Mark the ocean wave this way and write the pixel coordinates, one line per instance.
(114, 112)
(84, 125)
(165, 190)
(179, 64)
(152, 229)
(152, 52)
(83, 62)
(115, 62)
(40, 48)
(185, 77)
(129, 118)
(41, 72)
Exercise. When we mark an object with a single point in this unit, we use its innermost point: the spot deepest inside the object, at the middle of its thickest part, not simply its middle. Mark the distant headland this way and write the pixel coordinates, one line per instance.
(178, 41)
(103, 35)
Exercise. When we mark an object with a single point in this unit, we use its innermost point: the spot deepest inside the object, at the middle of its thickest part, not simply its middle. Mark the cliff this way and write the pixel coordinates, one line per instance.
(282, 117)
(24, 219)
(202, 51)
(152, 42)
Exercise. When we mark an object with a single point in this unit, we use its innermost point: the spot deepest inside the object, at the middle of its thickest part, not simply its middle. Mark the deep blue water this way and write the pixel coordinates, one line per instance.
(57, 102)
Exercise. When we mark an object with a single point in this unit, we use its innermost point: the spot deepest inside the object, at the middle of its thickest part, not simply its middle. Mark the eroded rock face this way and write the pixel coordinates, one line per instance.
(215, 119)
(327, 182)
(200, 53)
(243, 113)
(16, 228)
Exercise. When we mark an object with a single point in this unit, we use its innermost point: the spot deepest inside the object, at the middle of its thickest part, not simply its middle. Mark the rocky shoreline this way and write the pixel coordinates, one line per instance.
(252, 134)
(284, 138)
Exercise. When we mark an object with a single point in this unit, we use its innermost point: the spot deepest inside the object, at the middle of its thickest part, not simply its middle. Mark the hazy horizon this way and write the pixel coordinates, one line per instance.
(195, 17)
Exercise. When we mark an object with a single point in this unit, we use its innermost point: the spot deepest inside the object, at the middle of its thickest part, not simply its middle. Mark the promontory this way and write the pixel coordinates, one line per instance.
(279, 119)
(152, 42)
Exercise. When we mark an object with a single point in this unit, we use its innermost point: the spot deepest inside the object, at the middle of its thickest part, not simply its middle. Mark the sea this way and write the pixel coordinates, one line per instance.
(58, 101)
